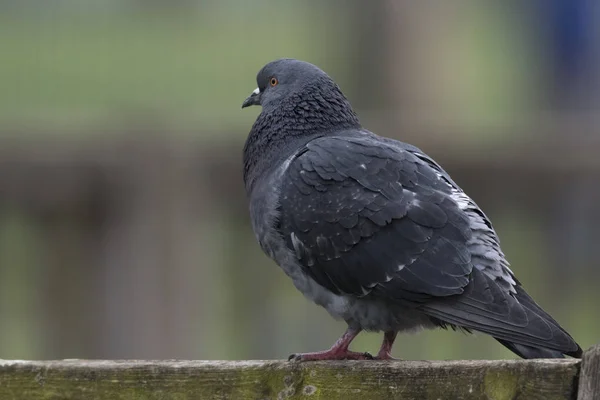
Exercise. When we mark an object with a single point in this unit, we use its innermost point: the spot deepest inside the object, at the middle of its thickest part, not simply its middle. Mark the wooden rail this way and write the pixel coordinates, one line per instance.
(182, 380)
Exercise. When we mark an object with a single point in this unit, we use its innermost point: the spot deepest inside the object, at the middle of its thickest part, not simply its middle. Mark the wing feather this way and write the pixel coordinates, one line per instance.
(372, 219)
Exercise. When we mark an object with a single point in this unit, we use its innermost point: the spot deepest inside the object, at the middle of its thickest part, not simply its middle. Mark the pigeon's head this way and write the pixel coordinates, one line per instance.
(282, 78)
(287, 83)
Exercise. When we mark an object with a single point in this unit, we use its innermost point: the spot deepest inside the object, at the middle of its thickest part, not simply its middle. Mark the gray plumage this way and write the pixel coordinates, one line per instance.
(374, 230)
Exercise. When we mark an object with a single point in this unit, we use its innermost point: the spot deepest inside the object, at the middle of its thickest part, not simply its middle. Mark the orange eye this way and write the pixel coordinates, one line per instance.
(273, 81)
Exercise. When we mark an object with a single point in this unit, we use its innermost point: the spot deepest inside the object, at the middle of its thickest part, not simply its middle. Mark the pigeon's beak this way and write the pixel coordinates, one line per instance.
(253, 99)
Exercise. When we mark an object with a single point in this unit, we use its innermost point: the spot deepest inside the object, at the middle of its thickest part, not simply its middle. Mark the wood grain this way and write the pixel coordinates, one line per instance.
(589, 378)
(182, 380)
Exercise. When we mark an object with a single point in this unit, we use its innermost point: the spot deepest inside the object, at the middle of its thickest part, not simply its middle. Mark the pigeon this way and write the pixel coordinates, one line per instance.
(373, 229)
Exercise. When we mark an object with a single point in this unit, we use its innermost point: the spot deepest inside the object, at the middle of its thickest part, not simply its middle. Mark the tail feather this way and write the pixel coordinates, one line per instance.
(531, 352)
(526, 300)
(515, 320)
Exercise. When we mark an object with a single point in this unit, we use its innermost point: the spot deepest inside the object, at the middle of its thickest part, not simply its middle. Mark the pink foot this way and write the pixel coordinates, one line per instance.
(339, 351)
(330, 355)
(385, 352)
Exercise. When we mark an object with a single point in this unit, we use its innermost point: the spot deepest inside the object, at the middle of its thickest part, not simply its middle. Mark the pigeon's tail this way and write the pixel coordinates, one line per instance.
(535, 351)
(532, 352)
(515, 320)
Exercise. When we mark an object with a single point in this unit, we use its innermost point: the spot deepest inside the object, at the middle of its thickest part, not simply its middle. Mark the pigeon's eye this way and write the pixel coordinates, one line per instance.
(273, 81)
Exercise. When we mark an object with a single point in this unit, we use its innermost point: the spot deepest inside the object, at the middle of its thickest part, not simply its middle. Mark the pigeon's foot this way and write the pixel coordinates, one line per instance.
(339, 351)
(331, 354)
(385, 352)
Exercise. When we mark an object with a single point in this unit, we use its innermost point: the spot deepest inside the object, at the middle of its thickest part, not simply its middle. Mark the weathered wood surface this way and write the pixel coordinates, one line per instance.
(589, 378)
(182, 380)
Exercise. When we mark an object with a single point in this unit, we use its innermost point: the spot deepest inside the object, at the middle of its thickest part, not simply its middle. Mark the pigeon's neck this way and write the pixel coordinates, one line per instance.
(279, 131)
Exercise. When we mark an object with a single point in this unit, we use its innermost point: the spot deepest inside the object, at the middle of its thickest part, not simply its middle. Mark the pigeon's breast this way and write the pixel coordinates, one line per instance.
(264, 209)
(264, 212)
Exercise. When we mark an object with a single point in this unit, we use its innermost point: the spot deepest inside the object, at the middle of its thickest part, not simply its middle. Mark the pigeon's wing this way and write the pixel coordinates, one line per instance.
(494, 301)
(372, 217)
(364, 218)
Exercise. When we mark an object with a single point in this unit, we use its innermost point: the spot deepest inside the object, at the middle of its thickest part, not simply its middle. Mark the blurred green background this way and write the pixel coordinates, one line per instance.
(123, 222)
